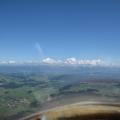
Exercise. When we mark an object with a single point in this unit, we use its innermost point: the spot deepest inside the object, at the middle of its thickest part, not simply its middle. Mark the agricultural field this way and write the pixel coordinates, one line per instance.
(22, 94)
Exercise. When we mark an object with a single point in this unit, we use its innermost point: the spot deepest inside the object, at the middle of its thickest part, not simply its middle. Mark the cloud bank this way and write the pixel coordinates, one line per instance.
(72, 61)
(90, 62)
(52, 61)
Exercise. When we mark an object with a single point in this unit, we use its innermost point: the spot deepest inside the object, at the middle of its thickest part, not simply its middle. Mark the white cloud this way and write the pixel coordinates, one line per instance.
(49, 61)
(71, 60)
(90, 62)
(11, 62)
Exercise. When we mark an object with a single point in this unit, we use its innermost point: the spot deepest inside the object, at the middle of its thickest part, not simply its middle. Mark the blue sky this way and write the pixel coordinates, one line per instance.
(85, 29)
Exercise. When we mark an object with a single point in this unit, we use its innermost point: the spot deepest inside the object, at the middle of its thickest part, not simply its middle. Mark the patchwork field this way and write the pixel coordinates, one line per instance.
(22, 94)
